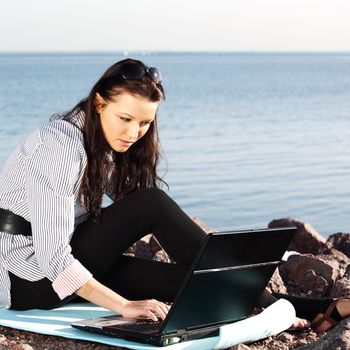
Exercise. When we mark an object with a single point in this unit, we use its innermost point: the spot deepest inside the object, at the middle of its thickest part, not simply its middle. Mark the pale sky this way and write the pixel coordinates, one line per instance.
(174, 25)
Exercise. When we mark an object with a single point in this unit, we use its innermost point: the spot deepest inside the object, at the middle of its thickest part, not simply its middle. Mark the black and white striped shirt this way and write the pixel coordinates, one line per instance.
(40, 182)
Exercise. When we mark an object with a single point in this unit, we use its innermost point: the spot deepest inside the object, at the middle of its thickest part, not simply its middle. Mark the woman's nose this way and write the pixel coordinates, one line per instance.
(133, 131)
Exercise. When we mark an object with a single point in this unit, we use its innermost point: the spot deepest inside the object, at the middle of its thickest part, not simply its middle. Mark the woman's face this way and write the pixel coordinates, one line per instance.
(125, 119)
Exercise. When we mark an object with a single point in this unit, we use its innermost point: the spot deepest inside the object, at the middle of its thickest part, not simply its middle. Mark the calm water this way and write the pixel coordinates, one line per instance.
(248, 137)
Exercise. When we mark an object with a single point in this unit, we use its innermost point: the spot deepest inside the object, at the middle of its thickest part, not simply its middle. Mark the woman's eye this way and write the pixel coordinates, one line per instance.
(125, 119)
(146, 123)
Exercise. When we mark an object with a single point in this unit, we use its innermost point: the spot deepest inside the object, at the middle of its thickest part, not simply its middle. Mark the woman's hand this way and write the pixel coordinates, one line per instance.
(99, 294)
(145, 309)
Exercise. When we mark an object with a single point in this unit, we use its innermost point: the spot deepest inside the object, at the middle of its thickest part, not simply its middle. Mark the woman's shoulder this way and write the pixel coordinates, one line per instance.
(61, 132)
(55, 137)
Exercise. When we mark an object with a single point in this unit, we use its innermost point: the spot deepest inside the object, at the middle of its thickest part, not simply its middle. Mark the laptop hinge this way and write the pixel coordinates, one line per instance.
(207, 327)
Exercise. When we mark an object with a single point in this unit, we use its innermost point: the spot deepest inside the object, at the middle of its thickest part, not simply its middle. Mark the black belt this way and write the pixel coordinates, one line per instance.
(14, 224)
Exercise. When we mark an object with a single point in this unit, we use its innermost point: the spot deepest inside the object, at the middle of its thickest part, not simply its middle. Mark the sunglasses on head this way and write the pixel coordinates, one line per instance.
(136, 71)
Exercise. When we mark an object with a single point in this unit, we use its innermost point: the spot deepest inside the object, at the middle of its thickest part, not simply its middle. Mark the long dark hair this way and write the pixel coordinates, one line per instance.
(134, 169)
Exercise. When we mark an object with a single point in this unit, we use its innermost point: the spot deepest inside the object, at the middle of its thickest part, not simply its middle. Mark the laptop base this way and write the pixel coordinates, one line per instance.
(153, 338)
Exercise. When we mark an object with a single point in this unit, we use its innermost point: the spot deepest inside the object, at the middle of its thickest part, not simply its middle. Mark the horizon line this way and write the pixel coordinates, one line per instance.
(152, 52)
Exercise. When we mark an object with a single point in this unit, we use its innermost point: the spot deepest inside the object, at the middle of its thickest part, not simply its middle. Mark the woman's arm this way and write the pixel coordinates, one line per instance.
(99, 294)
(53, 167)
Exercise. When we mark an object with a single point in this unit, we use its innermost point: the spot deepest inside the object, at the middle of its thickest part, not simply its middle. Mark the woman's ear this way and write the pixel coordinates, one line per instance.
(99, 102)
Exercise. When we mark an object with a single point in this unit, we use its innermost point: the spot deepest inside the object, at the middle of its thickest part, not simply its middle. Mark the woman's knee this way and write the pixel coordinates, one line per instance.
(150, 201)
(154, 197)
(158, 200)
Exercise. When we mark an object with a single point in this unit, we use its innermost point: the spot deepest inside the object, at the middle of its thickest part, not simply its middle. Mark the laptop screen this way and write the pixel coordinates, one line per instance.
(227, 278)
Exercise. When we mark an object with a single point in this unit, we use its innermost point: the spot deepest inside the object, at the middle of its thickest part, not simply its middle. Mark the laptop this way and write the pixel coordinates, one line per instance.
(223, 285)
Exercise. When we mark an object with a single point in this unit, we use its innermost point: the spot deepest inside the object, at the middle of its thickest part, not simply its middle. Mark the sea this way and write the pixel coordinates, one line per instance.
(247, 137)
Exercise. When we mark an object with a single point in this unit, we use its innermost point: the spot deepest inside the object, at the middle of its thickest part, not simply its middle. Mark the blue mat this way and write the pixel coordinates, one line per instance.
(271, 321)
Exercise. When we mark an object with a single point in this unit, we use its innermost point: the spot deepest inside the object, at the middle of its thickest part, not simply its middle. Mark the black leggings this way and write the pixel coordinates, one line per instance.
(100, 247)
(304, 307)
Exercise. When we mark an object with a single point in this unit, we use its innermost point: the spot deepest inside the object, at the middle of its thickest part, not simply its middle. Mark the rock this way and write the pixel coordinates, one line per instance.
(306, 239)
(332, 255)
(340, 241)
(154, 245)
(308, 275)
(22, 347)
(163, 257)
(314, 284)
(148, 248)
(285, 337)
(143, 249)
(284, 341)
(341, 288)
(337, 338)
(202, 225)
(276, 283)
(240, 347)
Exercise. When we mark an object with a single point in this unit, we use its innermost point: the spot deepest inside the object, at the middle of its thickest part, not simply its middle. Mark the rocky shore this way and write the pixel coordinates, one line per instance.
(319, 267)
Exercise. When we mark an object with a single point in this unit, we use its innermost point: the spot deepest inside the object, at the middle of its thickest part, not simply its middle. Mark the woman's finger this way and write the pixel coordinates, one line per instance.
(161, 312)
(152, 309)
(165, 308)
(158, 308)
(151, 315)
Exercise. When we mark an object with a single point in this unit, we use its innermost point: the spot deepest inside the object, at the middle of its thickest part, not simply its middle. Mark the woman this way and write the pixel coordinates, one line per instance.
(56, 180)
(56, 241)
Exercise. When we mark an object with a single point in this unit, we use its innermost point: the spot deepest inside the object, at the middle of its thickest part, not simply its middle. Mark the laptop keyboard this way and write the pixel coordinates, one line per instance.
(149, 326)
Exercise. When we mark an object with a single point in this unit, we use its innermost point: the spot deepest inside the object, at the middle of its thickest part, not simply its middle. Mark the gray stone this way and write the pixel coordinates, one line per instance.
(163, 257)
(240, 347)
(331, 255)
(341, 288)
(276, 283)
(313, 284)
(309, 275)
(340, 241)
(144, 250)
(202, 224)
(22, 347)
(337, 338)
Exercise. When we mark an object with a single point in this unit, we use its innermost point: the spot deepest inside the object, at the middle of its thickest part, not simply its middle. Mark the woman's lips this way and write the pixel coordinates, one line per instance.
(126, 143)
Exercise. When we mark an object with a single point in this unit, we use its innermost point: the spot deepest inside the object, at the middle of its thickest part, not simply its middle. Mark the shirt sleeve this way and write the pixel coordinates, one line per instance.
(52, 173)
